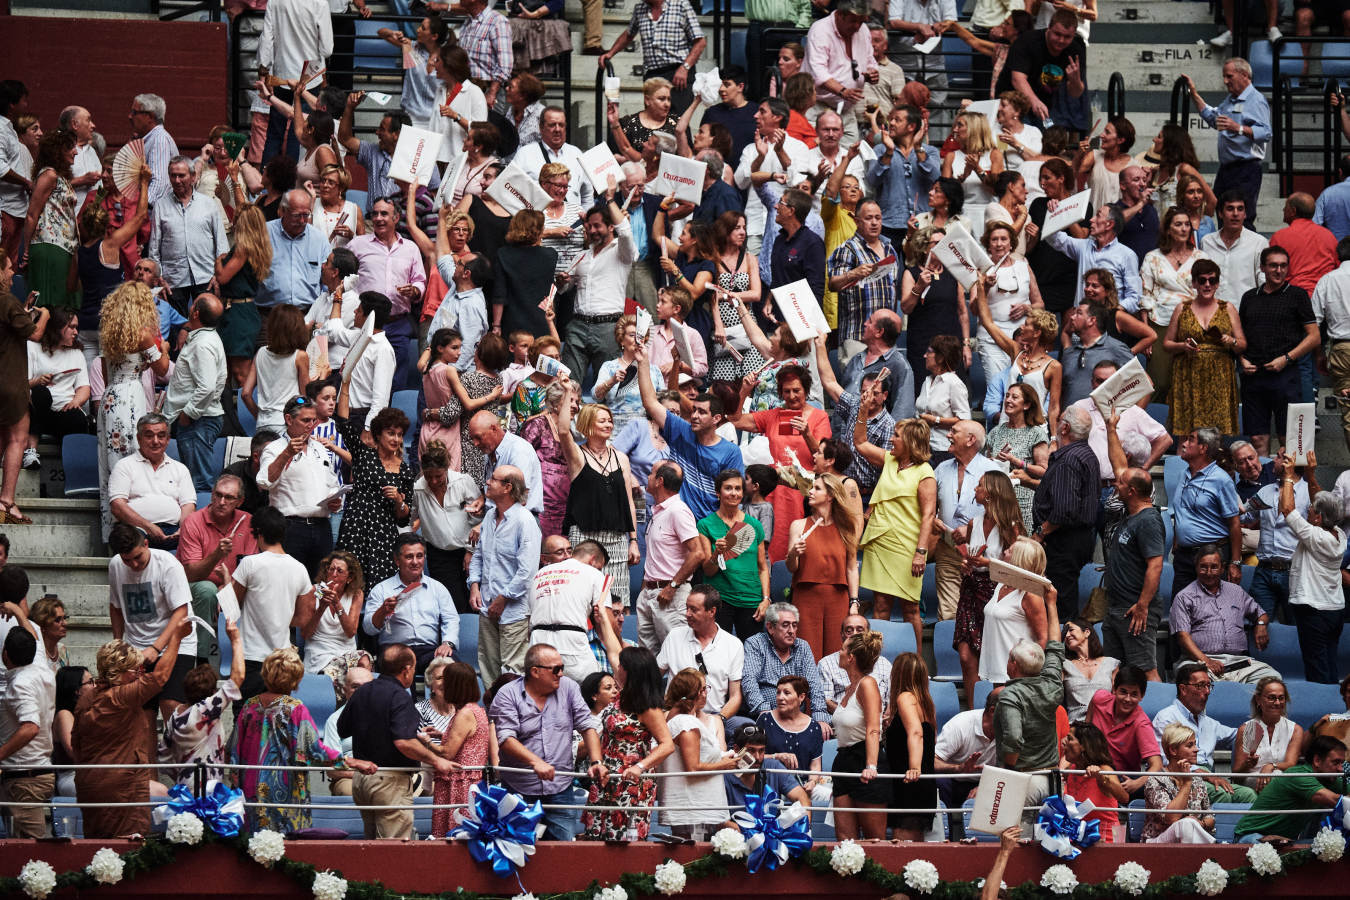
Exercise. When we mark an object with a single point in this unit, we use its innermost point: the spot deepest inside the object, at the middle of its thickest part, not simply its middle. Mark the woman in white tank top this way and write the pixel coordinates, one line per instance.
(857, 725)
(976, 164)
(280, 369)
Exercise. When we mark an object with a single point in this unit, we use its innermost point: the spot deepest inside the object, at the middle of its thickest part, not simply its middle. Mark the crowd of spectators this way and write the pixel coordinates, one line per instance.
(614, 420)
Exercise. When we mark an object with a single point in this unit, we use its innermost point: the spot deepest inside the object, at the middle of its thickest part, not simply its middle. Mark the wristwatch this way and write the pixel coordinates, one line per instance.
(686, 66)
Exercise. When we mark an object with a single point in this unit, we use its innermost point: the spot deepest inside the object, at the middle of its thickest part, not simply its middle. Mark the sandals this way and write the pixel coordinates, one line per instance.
(12, 516)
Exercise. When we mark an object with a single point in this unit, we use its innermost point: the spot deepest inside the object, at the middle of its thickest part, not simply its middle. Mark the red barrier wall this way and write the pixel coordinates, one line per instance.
(102, 63)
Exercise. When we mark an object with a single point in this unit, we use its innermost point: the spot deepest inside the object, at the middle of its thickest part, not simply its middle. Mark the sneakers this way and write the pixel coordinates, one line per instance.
(1222, 40)
(1274, 35)
(31, 460)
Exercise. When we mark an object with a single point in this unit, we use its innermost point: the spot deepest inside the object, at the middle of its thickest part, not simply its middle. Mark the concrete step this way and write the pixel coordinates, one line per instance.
(59, 542)
(1156, 65)
(62, 511)
(1149, 12)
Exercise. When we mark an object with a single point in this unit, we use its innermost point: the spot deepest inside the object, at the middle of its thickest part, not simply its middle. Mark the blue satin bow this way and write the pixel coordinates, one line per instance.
(1339, 818)
(499, 827)
(1063, 829)
(222, 809)
(772, 833)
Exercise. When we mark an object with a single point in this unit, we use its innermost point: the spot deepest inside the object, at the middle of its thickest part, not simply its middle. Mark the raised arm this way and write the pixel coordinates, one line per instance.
(655, 411)
(345, 136)
(868, 406)
(981, 304)
(828, 382)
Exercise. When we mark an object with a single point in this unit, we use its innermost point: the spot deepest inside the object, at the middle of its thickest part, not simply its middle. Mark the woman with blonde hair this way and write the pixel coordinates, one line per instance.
(560, 215)
(111, 726)
(276, 729)
(904, 505)
(1032, 363)
(280, 370)
(599, 504)
(911, 732)
(1012, 614)
(1267, 742)
(1002, 300)
(240, 272)
(338, 218)
(129, 336)
(49, 615)
(997, 525)
(858, 793)
(696, 795)
(976, 163)
(1180, 793)
(633, 131)
(822, 555)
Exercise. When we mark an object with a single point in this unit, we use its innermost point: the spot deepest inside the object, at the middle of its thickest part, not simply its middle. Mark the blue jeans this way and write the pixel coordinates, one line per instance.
(195, 443)
(562, 824)
(1270, 590)
(1252, 838)
(402, 335)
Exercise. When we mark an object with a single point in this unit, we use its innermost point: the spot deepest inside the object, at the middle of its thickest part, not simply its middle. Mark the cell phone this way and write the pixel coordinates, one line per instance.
(1095, 143)
(785, 429)
(1236, 666)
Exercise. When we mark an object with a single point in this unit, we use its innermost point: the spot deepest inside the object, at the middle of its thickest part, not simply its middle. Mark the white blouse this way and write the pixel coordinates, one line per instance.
(68, 368)
(943, 395)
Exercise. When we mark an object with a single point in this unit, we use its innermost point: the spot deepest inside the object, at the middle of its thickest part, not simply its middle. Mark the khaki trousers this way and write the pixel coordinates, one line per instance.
(28, 821)
(385, 789)
(1338, 361)
(947, 573)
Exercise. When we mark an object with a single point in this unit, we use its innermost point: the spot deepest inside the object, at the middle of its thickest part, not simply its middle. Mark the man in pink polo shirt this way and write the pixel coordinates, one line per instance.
(674, 554)
(1129, 733)
(211, 542)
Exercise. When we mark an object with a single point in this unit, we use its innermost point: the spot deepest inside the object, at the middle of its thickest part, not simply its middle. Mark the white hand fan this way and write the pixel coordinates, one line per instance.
(738, 542)
(126, 167)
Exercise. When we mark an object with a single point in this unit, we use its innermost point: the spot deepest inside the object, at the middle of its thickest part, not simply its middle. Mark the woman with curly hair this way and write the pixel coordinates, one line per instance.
(330, 634)
(280, 370)
(129, 336)
(239, 273)
(98, 259)
(1174, 155)
(49, 231)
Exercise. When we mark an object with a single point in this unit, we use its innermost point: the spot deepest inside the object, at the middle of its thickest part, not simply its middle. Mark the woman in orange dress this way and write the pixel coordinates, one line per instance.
(823, 558)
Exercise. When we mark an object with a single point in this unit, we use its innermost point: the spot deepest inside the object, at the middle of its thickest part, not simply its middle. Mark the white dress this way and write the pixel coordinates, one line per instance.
(277, 384)
(123, 402)
(978, 194)
(1012, 287)
(1004, 625)
(349, 215)
(328, 640)
(702, 791)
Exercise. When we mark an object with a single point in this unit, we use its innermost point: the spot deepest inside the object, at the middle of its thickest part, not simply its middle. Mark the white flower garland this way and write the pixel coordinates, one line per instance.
(106, 866)
(328, 886)
(1265, 859)
(1329, 845)
(526, 896)
(670, 877)
(37, 878)
(266, 847)
(1211, 879)
(184, 828)
(1132, 878)
(730, 843)
(847, 858)
(1059, 879)
(612, 893)
(921, 875)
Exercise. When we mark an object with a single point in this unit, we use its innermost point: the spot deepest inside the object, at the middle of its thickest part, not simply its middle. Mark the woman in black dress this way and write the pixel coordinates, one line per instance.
(523, 276)
(490, 218)
(932, 300)
(911, 731)
(632, 132)
(599, 503)
(382, 487)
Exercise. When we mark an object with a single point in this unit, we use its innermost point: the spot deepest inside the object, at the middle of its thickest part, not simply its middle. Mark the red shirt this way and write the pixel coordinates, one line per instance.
(1132, 741)
(1312, 252)
(198, 537)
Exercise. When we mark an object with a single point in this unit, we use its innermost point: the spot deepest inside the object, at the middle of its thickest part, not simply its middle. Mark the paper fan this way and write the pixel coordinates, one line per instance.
(740, 538)
(234, 142)
(126, 167)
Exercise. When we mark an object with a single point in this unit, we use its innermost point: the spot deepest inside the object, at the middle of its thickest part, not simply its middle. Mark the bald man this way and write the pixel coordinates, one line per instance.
(1140, 233)
(880, 332)
(1311, 247)
(501, 575)
(501, 448)
(192, 401)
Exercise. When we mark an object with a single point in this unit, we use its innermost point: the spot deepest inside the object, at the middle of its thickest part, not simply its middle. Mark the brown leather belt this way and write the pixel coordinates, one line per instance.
(657, 584)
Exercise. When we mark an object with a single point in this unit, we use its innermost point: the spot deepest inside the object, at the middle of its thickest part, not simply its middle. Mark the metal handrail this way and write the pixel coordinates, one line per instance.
(601, 104)
(1283, 143)
(212, 8)
(1181, 104)
(1115, 96)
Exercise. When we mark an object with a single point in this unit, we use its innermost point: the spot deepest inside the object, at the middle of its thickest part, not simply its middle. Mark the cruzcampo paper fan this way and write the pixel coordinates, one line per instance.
(126, 167)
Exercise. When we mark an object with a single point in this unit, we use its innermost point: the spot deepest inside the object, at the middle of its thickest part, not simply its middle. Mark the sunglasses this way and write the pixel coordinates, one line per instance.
(556, 670)
(702, 666)
(1207, 279)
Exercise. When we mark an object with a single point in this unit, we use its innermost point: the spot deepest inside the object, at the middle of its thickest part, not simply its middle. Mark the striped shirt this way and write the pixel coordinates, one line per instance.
(879, 430)
(159, 149)
(1070, 490)
(763, 668)
(330, 431)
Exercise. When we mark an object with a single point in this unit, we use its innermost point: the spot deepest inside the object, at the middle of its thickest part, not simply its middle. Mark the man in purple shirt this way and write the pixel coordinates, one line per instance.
(535, 717)
(392, 266)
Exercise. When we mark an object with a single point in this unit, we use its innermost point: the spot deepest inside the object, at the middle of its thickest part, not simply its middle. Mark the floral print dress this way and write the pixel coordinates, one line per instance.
(196, 733)
(625, 741)
(124, 402)
(552, 472)
(280, 733)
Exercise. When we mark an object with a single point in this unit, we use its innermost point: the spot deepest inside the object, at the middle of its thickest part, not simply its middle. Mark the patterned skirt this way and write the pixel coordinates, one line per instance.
(616, 545)
(976, 589)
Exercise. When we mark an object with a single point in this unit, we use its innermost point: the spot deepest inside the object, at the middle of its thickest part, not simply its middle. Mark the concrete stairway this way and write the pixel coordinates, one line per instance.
(64, 554)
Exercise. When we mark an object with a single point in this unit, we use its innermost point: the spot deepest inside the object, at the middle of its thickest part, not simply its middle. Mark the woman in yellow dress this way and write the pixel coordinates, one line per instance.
(904, 503)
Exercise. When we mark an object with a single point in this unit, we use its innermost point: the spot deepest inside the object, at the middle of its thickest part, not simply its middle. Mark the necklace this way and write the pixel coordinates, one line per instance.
(605, 467)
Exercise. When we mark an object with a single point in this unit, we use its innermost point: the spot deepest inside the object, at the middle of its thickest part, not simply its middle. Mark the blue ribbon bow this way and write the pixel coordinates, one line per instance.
(222, 809)
(1063, 829)
(772, 833)
(1339, 817)
(499, 827)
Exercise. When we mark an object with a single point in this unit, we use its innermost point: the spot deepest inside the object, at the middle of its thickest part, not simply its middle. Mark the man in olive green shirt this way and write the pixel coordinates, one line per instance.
(1025, 738)
(1325, 756)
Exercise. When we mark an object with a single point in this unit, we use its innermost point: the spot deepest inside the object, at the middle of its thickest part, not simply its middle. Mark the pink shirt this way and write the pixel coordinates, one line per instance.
(661, 350)
(671, 524)
(384, 269)
(1133, 420)
(1132, 741)
(198, 537)
(828, 57)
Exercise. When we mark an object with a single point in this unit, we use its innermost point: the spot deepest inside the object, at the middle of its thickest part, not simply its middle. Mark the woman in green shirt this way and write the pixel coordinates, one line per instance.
(739, 570)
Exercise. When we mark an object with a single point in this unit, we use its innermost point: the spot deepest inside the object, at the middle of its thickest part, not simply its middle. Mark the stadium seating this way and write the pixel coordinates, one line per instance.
(316, 692)
(897, 637)
(1309, 701)
(1230, 703)
(79, 459)
(406, 403)
(945, 701)
(1261, 55)
(1282, 653)
(1158, 695)
(947, 659)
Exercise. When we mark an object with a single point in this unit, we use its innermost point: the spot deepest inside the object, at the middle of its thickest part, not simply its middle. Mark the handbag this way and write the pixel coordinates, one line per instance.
(1095, 611)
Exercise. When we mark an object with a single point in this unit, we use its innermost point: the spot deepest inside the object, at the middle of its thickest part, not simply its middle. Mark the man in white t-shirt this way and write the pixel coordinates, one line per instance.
(274, 594)
(14, 592)
(700, 644)
(570, 591)
(148, 599)
(27, 706)
(149, 489)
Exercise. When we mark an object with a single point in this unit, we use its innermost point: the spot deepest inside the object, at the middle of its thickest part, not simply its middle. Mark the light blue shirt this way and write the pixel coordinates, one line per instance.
(953, 508)
(1277, 541)
(516, 451)
(1115, 257)
(901, 186)
(169, 318)
(470, 313)
(506, 561)
(1210, 734)
(426, 617)
(1333, 209)
(1247, 108)
(1203, 505)
(296, 261)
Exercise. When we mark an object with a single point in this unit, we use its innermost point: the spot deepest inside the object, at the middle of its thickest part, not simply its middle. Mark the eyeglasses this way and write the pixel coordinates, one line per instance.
(1207, 279)
(1199, 685)
(556, 670)
(1278, 698)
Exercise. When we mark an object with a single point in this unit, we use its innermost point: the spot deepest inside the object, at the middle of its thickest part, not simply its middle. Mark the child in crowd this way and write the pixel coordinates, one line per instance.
(760, 482)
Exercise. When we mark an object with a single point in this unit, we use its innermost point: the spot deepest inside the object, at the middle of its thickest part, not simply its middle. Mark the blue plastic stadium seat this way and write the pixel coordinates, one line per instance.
(958, 57)
(1336, 60)
(1262, 59)
(928, 598)
(738, 47)
(339, 813)
(316, 692)
(780, 580)
(422, 815)
(203, 499)
(1282, 653)
(360, 198)
(1230, 703)
(982, 691)
(218, 455)
(227, 649)
(466, 651)
(1174, 468)
(947, 659)
(1309, 701)
(981, 836)
(1135, 828)
(79, 459)
(247, 421)
(1088, 578)
(172, 450)
(374, 52)
(945, 702)
(1157, 411)
(406, 403)
(67, 818)
(1226, 825)
(1158, 695)
(897, 637)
